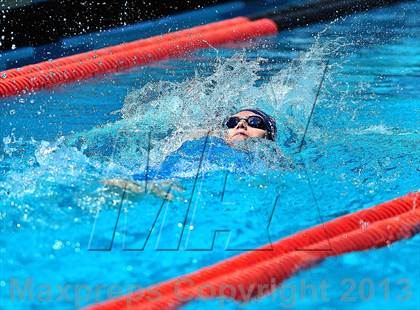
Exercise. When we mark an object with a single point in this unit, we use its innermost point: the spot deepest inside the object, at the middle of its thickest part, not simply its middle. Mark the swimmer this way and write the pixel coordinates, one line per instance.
(245, 124)
(250, 123)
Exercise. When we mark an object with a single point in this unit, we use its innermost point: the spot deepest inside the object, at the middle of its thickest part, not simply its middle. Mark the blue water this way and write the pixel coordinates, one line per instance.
(361, 149)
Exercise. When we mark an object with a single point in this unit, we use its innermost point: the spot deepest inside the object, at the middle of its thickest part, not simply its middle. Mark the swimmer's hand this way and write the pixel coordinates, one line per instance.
(162, 189)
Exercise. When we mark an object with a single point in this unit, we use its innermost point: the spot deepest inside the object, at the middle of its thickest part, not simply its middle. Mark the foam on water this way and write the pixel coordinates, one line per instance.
(170, 113)
(174, 112)
(159, 117)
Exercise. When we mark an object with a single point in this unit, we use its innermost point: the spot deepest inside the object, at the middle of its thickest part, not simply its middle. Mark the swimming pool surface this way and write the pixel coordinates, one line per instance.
(60, 245)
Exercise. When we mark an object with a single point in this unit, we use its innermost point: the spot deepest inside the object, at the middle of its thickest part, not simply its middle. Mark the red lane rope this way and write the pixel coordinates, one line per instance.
(140, 52)
(256, 273)
(122, 47)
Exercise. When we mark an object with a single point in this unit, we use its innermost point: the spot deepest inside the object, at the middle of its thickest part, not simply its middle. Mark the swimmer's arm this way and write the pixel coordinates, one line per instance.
(159, 189)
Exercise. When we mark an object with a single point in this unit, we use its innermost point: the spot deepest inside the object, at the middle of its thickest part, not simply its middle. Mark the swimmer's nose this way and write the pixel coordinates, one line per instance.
(241, 124)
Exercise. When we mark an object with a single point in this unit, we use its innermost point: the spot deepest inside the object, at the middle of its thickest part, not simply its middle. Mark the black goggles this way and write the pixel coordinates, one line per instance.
(253, 121)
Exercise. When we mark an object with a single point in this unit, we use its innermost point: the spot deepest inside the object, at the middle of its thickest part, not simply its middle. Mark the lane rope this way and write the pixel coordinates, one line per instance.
(258, 272)
(106, 51)
(76, 67)
(144, 51)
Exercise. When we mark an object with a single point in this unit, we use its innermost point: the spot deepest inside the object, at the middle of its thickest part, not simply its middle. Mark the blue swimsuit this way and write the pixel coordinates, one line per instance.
(203, 153)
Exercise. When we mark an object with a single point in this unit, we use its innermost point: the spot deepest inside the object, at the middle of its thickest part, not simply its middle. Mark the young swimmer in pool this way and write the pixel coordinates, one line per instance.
(250, 123)
(245, 124)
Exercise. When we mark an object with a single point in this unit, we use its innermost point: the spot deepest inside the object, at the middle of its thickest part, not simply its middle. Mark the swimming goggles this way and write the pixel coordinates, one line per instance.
(253, 121)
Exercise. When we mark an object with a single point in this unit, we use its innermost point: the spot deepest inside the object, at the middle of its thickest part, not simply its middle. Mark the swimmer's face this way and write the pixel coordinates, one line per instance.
(243, 130)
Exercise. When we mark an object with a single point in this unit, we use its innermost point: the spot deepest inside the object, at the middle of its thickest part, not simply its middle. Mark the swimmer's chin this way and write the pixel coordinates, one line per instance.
(240, 137)
(236, 139)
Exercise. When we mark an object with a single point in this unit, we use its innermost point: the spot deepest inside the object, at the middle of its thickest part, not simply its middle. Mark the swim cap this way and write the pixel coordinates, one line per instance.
(269, 122)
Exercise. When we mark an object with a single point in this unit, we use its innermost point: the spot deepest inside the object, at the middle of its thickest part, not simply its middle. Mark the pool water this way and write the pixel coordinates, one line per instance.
(61, 246)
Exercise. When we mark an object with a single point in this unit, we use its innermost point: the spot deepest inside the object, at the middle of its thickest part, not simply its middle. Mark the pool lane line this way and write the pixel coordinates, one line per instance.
(39, 77)
(89, 41)
(106, 51)
(133, 57)
(260, 272)
(144, 51)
